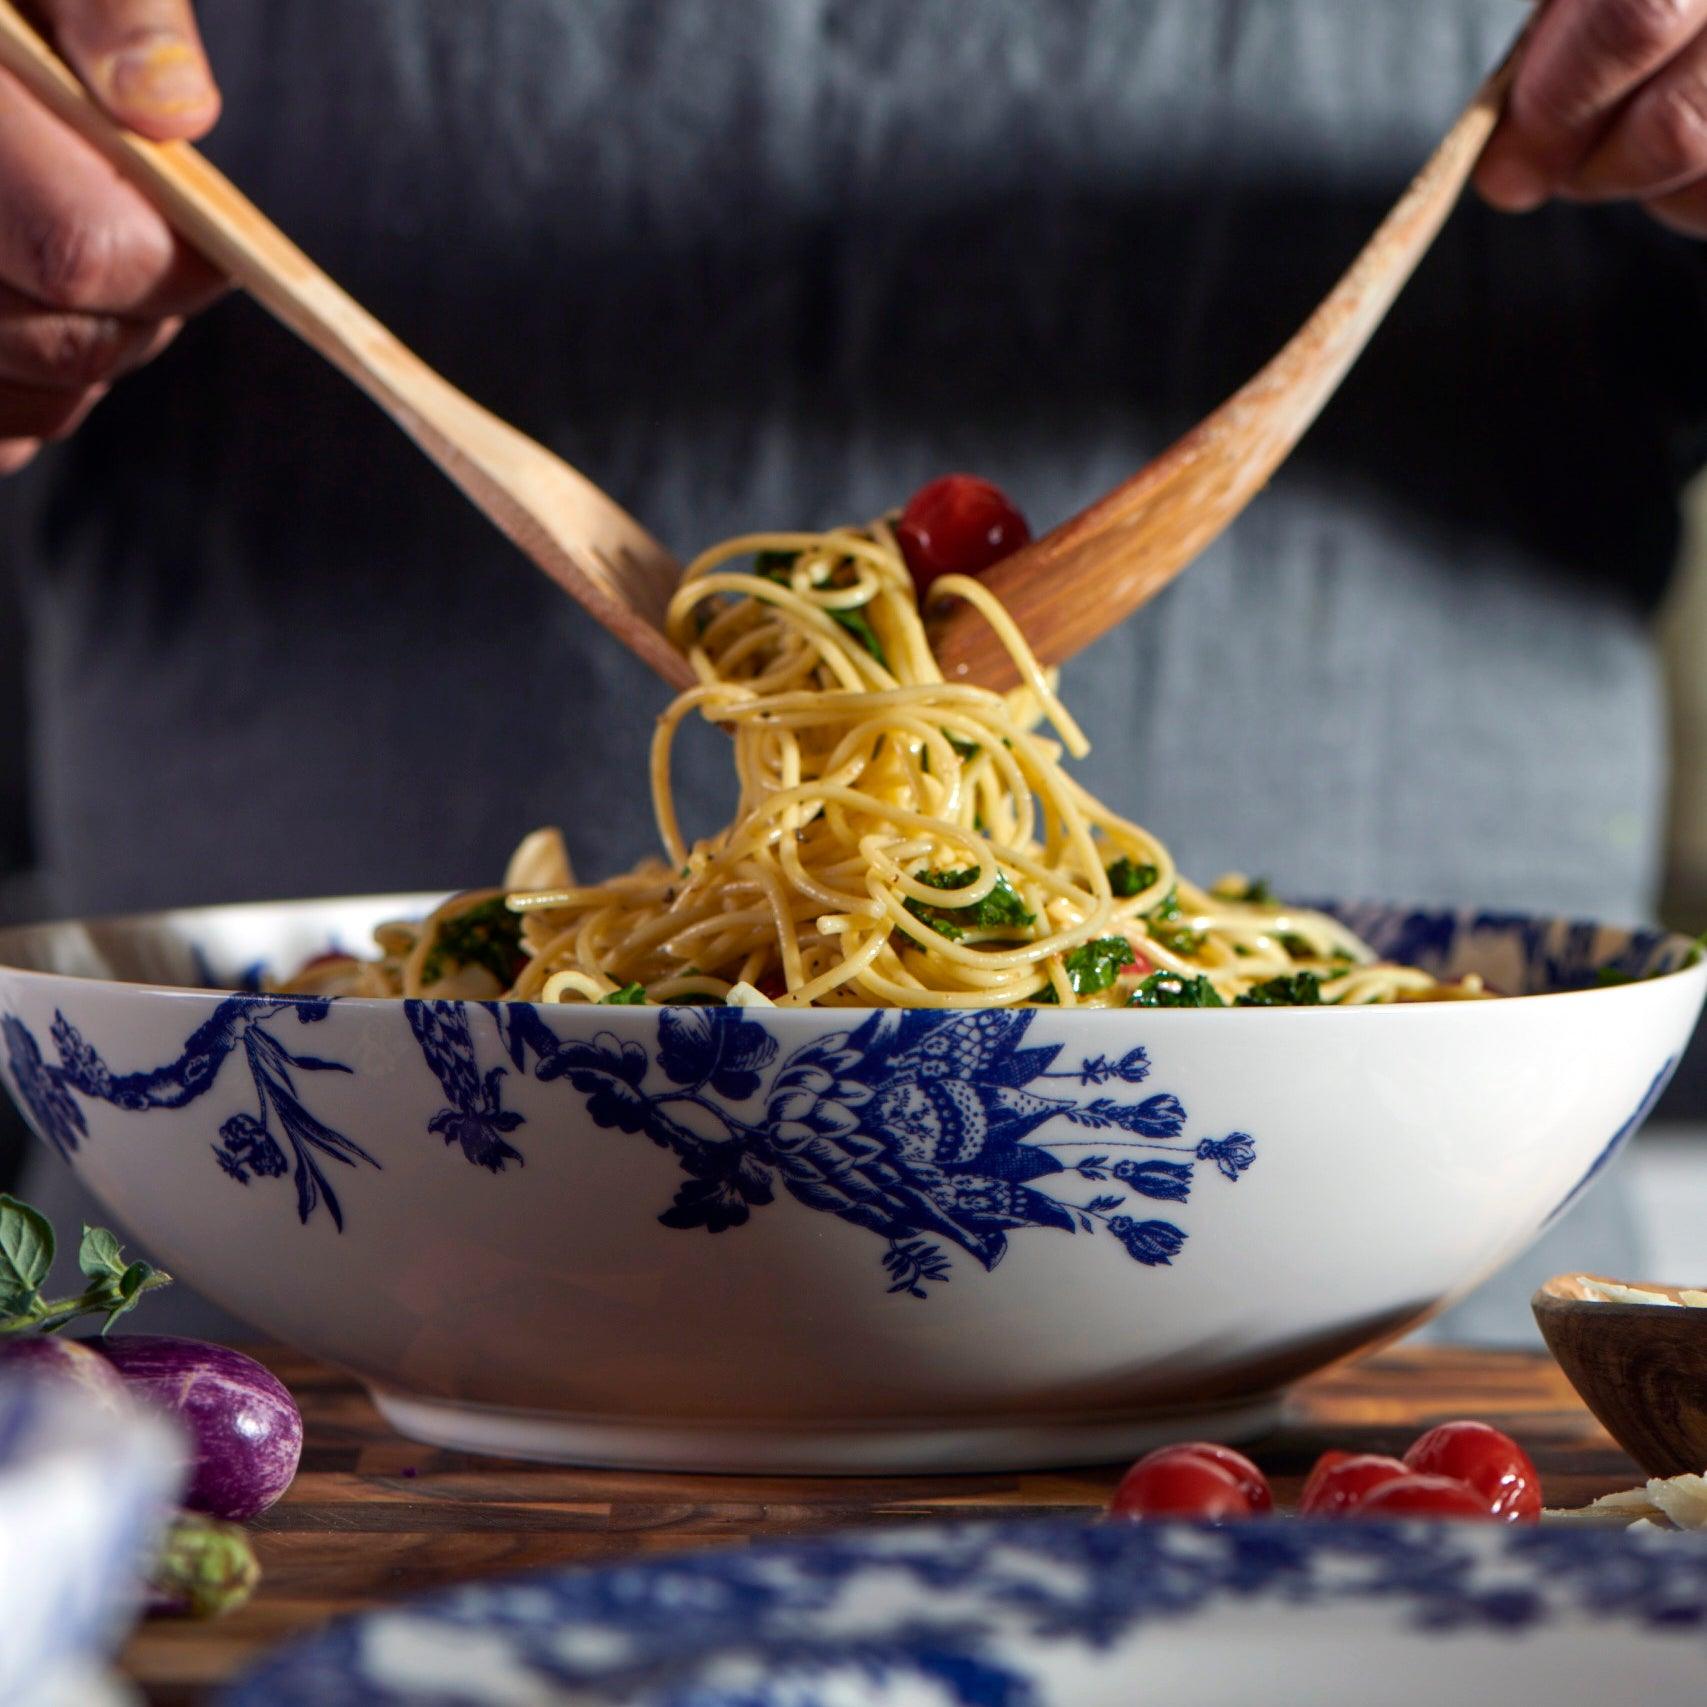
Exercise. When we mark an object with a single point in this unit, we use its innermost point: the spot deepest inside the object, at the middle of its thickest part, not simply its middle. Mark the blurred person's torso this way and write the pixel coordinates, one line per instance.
(774, 263)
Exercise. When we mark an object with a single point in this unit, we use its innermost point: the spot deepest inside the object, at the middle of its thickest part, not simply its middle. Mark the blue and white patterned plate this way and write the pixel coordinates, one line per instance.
(84, 1489)
(1038, 1614)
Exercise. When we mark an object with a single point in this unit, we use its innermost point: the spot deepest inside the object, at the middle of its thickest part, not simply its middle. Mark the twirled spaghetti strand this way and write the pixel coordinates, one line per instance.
(899, 840)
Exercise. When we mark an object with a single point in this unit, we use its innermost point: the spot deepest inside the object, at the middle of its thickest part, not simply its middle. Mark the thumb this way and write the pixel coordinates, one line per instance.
(142, 59)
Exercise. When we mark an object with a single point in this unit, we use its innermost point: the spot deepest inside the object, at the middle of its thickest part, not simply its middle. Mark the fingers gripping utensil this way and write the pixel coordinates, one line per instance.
(580, 537)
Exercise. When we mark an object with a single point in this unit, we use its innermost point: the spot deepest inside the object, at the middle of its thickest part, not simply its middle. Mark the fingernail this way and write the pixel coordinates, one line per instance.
(1512, 184)
(162, 77)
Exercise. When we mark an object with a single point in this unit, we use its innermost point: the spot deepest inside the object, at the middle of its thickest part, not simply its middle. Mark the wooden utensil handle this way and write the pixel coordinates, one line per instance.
(1086, 576)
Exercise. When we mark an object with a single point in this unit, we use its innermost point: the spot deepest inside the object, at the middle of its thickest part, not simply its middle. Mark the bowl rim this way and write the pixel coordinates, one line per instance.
(1556, 1294)
(1692, 965)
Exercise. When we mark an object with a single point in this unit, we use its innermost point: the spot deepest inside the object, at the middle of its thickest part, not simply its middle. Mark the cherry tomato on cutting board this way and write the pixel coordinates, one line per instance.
(1422, 1496)
(1490, 1462)
(1196, 1479)
(1236, 1464)
(958, 525)
(1341, 1480)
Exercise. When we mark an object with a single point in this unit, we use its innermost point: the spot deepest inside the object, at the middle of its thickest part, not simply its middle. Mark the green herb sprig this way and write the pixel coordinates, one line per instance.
(27, 1248)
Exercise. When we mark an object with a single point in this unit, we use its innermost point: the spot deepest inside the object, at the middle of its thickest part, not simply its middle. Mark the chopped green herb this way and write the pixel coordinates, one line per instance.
(1161, 923)
(1259, 893)
(855, 622)
(1126, 877)
(1296, 946)
(1291, 990)
(1181, 939)
(487, 935)
(629, 996)
(775, 565)
(963, 750)
(1002, 906)
(1171, 990)
(1093, 966)
(1609, 975)
(778, 566)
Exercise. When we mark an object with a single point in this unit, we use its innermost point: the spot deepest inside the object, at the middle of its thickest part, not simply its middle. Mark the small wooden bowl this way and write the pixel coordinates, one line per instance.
(1641, 1368)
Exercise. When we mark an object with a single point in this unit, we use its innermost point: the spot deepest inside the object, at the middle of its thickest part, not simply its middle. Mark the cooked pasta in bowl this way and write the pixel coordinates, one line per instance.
(900, 841)
(922, 1118)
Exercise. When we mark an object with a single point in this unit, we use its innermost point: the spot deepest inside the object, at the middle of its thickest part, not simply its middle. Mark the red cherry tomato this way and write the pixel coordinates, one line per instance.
(1341, 1480)
(1422, 1496)
(1491, 1462)
(958, 525)
(1180, 1484)
(1236, 1464)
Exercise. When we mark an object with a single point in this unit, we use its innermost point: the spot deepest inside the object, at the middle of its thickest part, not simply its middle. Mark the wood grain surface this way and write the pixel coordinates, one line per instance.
(372, 1516)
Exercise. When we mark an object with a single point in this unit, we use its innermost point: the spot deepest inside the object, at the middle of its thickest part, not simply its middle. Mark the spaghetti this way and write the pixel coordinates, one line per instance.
(900, 840)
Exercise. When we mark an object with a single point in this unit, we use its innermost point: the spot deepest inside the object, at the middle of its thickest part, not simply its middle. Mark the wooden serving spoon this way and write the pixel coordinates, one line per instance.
(580, 537)
(1640, 1367)
(1084, 577)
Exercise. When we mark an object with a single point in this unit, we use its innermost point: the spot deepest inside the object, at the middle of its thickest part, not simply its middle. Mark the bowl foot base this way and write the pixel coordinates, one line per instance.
(815, 1449)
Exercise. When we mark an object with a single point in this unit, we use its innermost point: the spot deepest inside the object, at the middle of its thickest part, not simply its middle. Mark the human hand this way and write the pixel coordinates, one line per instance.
(1608, 103)
(92, 280)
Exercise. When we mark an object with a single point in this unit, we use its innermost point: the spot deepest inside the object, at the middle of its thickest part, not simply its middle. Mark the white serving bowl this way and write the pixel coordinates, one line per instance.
(828, 1240)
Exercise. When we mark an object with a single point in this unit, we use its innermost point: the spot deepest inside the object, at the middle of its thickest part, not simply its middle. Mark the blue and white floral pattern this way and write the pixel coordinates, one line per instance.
(1541, 954)
(982, 1615)
(476, 1119)
(928, 1129)
(251, 1146)
(931, 1130)
(41, 1093)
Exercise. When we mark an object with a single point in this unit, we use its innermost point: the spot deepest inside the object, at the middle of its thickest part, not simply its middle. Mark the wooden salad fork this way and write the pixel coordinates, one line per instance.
(1084, 577)
(580, 537)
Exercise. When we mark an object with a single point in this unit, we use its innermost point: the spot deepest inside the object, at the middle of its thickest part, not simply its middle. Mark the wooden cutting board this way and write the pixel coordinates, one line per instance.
(372, 1516)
